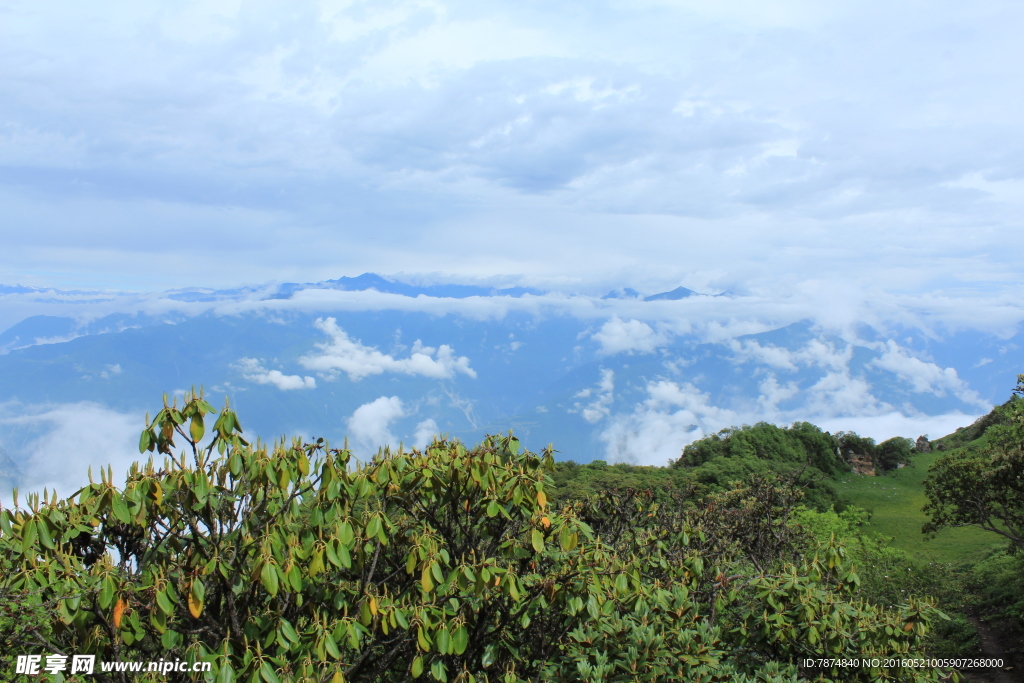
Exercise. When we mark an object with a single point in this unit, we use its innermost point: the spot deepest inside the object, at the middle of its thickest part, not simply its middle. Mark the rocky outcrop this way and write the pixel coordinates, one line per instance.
(861, 464)
(923, 445)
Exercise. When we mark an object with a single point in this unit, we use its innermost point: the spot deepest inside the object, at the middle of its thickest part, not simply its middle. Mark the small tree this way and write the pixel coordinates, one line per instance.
(893, 453)
(983, 488)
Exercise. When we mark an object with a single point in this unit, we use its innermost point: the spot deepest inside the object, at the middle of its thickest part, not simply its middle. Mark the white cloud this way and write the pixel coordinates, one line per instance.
(887, 425)
(840, 394)
(66, 439)
(111, 371)
(676, 414)
(772, 394)
(370, 424)
(749, 350)
(617, 336)
(816, 353)
(358, 361)
(604, 395)
(925, 377)
(672, 416)
(253, 370)
(425, 432)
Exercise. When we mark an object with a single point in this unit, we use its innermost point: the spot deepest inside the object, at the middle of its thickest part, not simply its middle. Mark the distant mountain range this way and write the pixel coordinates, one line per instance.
(623, 376)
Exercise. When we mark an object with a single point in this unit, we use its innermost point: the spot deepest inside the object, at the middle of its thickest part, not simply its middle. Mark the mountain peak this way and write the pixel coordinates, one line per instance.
(624, 293)
(674, 295)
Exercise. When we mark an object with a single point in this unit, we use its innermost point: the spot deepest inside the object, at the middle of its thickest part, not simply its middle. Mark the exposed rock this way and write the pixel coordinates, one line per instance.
(923, 445)
(861, 464)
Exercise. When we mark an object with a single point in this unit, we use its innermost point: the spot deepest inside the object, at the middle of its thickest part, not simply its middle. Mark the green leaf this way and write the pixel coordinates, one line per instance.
(164, 603)
(460, 640)
(159, 620)
(268, 674)
(444, 641)
(196, 429)
(345, 556)
(28, 536)
(106, 595)
(289, 631)
(490, 654)
(537, 539)
(345, 534)
(332, 556)
(332, 646)
(119, 508)
(294, 577)
(417, 666)
(225, 674)
(268, 575)
(169, 639)
(373, 527)
(438, 671)
(44, 535)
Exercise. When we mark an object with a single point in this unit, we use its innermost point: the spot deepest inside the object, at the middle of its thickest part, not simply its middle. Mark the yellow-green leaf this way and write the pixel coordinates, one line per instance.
(537, 539)
(195, 606)
(196, 429)
(425, 580)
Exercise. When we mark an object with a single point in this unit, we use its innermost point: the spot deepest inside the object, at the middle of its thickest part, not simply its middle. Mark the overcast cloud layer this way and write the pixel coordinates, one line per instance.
(760, 147)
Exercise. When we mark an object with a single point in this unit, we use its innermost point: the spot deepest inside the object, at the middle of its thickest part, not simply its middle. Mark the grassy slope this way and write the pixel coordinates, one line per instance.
(897, 499)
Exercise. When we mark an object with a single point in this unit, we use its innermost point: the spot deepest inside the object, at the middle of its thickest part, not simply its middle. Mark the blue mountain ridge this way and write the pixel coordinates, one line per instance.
(536, 374)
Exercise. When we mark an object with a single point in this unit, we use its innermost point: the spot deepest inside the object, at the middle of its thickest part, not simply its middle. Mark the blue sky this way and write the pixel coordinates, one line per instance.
(871, 149)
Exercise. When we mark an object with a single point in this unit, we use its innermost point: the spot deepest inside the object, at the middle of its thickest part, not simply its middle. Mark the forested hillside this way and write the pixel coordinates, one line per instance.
(291, 561)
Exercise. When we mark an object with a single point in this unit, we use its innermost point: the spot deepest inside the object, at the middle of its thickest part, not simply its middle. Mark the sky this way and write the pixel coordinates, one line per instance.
(842, 162)
(766, 148)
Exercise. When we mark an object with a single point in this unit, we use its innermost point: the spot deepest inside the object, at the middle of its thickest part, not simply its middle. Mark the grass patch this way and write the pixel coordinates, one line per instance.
(896, 500)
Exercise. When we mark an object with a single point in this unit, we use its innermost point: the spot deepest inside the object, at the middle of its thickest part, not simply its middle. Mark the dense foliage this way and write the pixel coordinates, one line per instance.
(801, 451)
(293, 562)
(889, 575)
(573, 481)
(981, 484)
(984, 487)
